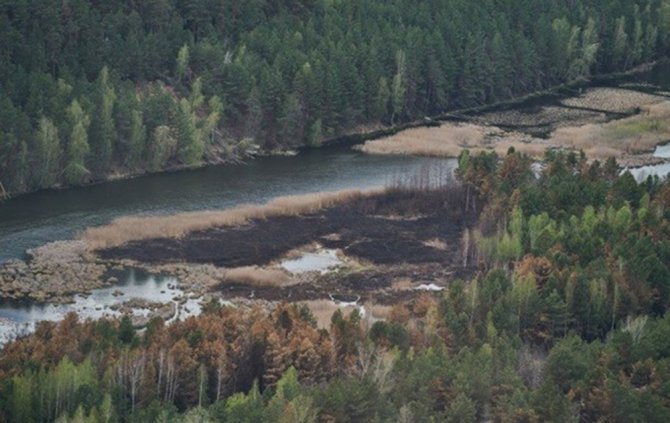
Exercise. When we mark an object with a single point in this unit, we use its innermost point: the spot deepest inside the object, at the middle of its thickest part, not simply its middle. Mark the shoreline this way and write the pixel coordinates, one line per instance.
(361, 136)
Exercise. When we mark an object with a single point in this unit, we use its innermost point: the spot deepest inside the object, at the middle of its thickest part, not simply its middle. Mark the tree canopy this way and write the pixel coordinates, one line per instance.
(283, 74)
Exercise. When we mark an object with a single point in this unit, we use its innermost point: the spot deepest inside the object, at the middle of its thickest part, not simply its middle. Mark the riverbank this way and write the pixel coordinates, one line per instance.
(245, 149)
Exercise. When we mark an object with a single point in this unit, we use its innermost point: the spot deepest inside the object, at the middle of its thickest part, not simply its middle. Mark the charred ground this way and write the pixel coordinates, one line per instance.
(398, 234)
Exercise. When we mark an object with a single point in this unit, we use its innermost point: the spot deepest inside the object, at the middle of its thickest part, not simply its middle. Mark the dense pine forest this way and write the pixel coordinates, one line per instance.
(562, 322)
(91, 90)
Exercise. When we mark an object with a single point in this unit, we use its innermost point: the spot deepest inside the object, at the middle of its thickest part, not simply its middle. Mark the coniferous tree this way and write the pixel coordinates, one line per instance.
(47, 154)
(77, 149)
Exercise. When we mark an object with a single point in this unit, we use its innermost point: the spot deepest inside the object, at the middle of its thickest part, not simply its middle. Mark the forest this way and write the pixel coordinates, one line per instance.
(564, 320)
(95, 90)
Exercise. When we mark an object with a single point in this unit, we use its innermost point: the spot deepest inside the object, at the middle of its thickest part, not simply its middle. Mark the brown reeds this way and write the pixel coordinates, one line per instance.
(448, 140)
(633, 135)
(134, 228)
(618, 138)
(256, 276)
(444, 141)
(613, 100)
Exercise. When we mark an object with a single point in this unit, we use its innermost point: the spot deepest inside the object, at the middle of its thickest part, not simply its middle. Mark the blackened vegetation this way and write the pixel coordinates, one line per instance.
(372, 284)
(396, 230)
(392, 227)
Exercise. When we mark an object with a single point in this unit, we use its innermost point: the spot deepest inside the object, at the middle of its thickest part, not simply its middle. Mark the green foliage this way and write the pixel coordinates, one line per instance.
(182, 61)
(47, 154)
(77, 149)
(245, 408)
(288, 73)
(138, 138)
(163, 146)
(103, 126)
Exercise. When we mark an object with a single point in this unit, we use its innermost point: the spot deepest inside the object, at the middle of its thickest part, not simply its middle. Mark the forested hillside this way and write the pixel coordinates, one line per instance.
(90, 90)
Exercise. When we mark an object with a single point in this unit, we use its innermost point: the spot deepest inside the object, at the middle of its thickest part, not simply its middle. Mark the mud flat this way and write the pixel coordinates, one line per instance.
(604, 122)
(53, 273)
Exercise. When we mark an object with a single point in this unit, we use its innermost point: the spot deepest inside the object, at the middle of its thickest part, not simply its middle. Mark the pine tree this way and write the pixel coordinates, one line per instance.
(291, 122)
(314, 135)
(190, 145)
(637, 38)
(399, 87)
(137, 142)
(182, 62)
(47, 152)
(77, 148)
(620, 43)
(558, 315)
(103, 127)
(383, 99)
(162, 147)
(275, 360)
(21, 401)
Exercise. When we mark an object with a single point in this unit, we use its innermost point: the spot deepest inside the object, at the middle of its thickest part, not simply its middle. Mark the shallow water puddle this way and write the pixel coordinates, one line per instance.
(662, 169)
(663, 151)
(320, 261)
(18, 318)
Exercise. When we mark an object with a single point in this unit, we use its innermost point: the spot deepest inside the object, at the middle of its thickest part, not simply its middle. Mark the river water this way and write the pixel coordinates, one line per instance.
(18, 318)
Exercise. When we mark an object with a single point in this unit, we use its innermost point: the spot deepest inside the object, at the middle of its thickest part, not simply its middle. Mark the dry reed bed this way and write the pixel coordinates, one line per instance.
(323, 311)
(540, 119)
(449, 139)
(134, 228)
(257, 276)
(633, 135)
(612, 100)
(203, 277)
(624, 138)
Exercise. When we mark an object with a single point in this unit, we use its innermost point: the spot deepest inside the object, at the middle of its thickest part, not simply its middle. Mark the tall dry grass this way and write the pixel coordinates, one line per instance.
(448, 140)
(323, 311)
(629, 136)
(617, 100)
(444, 141)
(633, 135)
(256, 276)
(135, 228)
